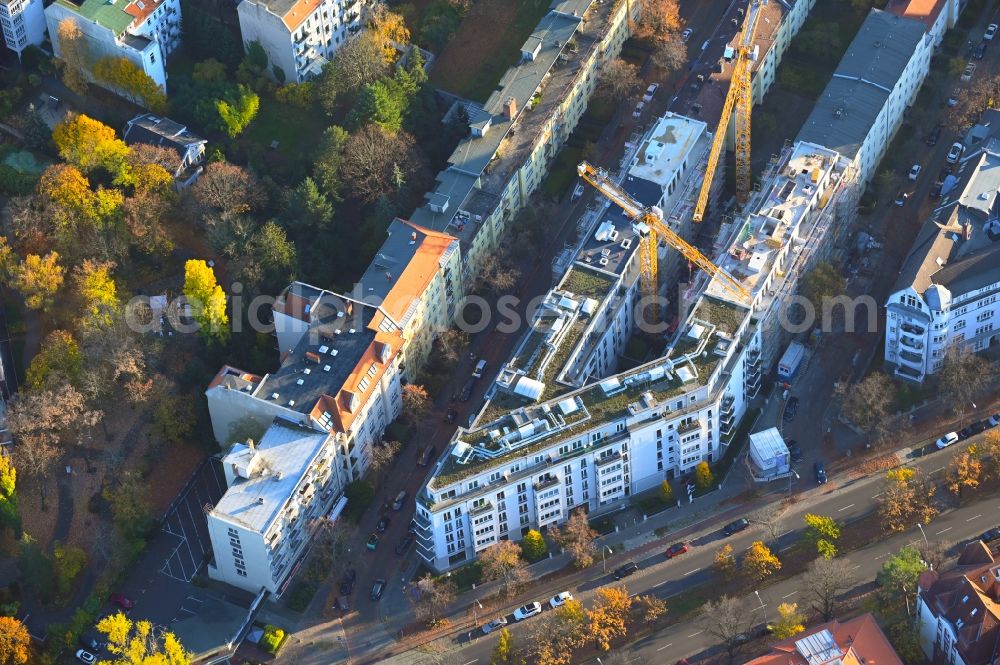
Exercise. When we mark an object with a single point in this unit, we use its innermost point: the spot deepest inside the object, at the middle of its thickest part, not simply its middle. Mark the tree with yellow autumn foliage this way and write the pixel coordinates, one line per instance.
(759, 562)
(207, 300)
(15, 642)
(608, 620)
(137, 643)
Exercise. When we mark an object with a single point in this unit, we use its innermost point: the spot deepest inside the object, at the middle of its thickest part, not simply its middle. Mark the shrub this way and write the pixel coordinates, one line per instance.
(533, 546)
(272, 639)
(360, 495)
(300, 596)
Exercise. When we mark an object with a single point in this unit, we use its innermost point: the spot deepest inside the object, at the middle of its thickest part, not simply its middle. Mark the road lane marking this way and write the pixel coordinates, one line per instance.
(657, 586)
(474, 660)
(845, 508)
(875, 496)
(942, 531)
(940, 468)
(696, 634)
(665, 646)
(973, 518)
(789, 595)
(856, 567)
(881, 556)
(691, 572)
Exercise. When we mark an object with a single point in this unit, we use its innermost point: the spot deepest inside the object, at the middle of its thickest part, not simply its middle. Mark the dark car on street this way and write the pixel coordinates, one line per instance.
(450, 416)
(794, 451)
(934, 135)
(735, 527)
(991, 535)
(791, 409)
(467, 390)
(973, 429)
(378, 588)
(980, 51)
(627, 569)
(383, 524)
(820, 472)
(935, 192)
(347, 582)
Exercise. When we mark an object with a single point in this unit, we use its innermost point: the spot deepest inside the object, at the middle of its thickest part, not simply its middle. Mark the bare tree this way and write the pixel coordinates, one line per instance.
(497, 275)
(973, 100)
(619, 80)
(727, 620)
(383, 455)
(452, 344)
(670, 53)
(770, 517)
(416, 403)
(577, 538)
(226, 189)
(824, 581)
(866, 404)
(934, 552)
(962, 376)
(377, 163)
(430, 597)
(502, 561)
(75, 57)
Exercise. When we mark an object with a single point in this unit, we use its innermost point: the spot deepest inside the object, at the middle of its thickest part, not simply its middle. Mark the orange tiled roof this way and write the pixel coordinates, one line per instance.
(140, 13)
(419, 271)
(921, 10)
(294, 17)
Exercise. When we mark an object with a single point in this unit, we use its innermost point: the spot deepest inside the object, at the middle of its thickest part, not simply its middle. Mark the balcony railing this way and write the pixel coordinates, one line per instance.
(608, 459)
(690, 426)
(911, 358)
(545, 483)
(912, 329)
(910, 342)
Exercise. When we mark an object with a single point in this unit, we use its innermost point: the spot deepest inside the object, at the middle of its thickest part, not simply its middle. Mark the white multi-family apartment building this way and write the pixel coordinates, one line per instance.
(958, 609)
(143, 31)
(22, 23)
(542, 447)
(878, 78)
(299, 36)
(946, 292)
(517, 133)
(938, 16)
(279, 490)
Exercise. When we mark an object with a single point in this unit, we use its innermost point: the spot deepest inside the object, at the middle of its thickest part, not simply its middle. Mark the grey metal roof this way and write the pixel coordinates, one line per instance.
(971, 272)
(980, 194)
(156, 130)
(287, 451)
(860, 86)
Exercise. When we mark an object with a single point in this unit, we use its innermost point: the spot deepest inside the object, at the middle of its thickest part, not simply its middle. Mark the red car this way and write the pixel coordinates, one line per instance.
(677, 549)
(121, 600)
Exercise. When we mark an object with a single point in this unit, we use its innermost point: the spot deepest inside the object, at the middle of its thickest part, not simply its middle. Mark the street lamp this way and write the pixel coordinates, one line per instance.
(762, 611)
(475, 614)
(922, 533)
(604, 563)
(797, 477)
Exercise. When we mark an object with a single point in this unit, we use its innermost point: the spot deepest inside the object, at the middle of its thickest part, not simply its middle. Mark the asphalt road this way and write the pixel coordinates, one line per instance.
(845, 500)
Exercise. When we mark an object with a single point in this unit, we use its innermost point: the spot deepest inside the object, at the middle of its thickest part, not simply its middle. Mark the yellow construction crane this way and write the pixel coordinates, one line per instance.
(651, 226)
(740, 97)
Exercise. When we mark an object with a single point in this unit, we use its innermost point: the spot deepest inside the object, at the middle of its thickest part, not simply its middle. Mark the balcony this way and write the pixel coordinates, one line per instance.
(728, 407)
(912, 329)
(912, 343)
(608, 459)
(484, 507)
(545, 483)
(688, 426)
(911, 358)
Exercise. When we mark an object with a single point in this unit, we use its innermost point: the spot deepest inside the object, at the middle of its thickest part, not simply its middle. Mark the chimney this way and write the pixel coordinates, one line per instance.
(251, 445)
(413, 237)
(510, 108)
(967, 231)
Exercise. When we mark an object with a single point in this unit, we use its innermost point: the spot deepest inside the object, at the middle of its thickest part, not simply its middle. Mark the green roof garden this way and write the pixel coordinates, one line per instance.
(725, 316)
(108, 13)
(587, 283)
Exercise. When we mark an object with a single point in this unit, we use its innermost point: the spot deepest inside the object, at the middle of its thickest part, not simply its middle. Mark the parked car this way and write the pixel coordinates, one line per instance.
(968, 72)
(343, 603)
(901, 199)
(994, 420)
(677, 549)
(936, 188)
(372, 542)
(85, 656)
(383, 524)
(91, 639)
(973, 429)
(404, 544)
(686, 34)
(735, 527)
(980, 51)
(560, 599)
(121, 600)
(946, 440)
(650, 91)
(991, 535)
(400, 501)
(991, 31)
(527, 611)
(496, 624)
(954, 153)
(791, 408)
(467, 389)
(794, 451)
(426, 455)
(625, 570)
(480, 368)
(934, 135)
(914, 172)
(820, 472)
(378, 588)
(953, 97)
(637, 113)
(347, 582)
(450, 416)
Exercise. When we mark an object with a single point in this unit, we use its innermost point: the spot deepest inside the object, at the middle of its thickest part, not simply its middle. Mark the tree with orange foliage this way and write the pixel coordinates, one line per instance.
(659, 18)
(608, 619)
(15, 642)
(389, 29)
(964, 471)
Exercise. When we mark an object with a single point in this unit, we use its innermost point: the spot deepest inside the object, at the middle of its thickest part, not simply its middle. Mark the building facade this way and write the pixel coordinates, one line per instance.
(878, 78)
(545, 444)
(958, 610)
(517, 133)
(279, 491)
(299, 36)
(22, 23)
(946, 293)
(143, 31)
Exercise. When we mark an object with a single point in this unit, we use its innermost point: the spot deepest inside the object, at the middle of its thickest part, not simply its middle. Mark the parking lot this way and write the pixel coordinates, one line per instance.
(184, 528)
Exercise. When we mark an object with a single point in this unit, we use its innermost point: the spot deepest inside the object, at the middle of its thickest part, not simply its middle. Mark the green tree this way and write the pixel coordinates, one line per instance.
(58, 361)
(174, 418)
(822, 282)
(9, 515)
(379, 103)
(821, 533)
(533, 546)
(68, 562)
(666, 492)
(238, 111)
(209, 71)
(360, 494)
(503, 651)
(207, 300)
(307, 208)
(328, 161)
(790, 621)
(898, 578)
(129, 500)
(703, 477)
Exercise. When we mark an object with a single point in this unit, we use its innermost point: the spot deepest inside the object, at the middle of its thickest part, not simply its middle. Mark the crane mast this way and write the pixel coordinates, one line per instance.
(740, 98)
(649, 222)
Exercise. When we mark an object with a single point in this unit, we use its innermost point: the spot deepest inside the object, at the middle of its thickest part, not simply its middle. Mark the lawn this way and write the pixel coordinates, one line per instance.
(486, 44)
(296, 130)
